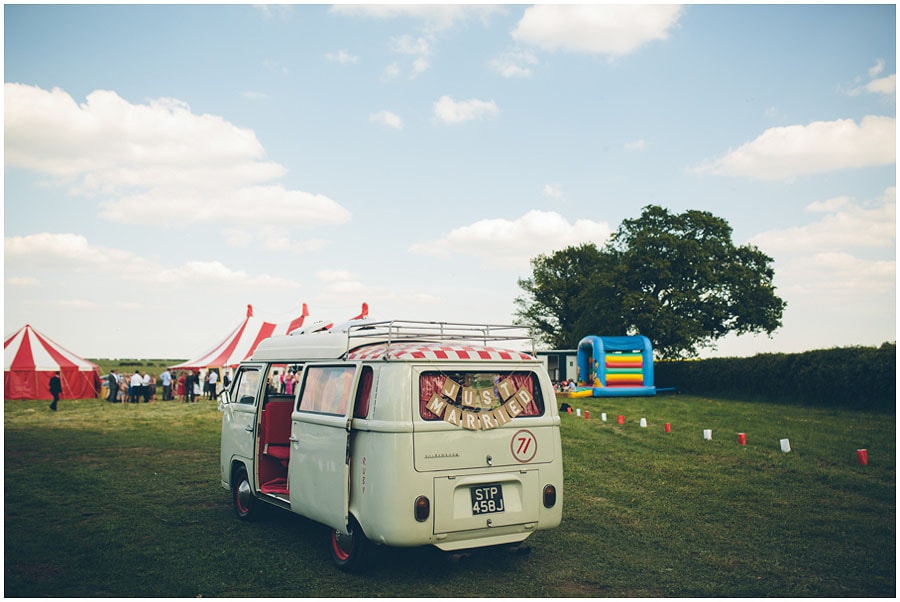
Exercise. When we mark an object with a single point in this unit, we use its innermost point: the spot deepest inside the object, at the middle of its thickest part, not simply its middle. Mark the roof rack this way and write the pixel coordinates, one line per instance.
(397, 331)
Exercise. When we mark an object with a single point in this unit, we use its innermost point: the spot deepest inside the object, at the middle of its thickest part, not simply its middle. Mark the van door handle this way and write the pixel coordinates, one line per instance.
(249, 429)
(293, 439)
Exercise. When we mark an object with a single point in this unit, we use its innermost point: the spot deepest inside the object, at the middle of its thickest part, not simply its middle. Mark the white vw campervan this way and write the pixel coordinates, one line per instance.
(399, 433)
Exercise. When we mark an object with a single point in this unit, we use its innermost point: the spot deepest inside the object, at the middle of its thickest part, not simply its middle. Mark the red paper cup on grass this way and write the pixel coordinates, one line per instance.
(621, 419)
(862, 457)
(742, 439)
(668, 427)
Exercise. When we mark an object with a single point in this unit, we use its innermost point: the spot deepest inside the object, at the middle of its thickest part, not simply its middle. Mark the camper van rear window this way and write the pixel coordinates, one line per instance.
(479, 400)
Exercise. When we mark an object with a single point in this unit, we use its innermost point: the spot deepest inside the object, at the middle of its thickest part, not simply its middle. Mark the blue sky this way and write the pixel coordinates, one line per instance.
(166, 165)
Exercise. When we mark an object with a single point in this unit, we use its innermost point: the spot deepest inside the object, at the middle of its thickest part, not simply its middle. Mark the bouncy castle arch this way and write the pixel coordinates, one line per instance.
(615, 366)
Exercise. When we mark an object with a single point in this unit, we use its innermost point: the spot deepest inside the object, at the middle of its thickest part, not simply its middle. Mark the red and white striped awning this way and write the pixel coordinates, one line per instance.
(436, 351)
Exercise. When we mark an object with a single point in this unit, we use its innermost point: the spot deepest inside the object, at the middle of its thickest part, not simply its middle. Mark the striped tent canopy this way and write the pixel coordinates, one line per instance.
(31, 359)
(241, 342)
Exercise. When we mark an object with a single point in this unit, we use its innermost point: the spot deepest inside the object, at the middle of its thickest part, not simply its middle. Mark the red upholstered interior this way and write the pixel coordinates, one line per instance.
(274, 442)
(276, 429)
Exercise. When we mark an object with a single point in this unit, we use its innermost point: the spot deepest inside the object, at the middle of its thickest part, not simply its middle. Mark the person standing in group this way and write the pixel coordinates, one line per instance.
(166, 378)
(55, 389)
(137, 387)
(189, 384)
(213, 381)
(124, 383)
(146, 381)
(289, 383)
(112, 384)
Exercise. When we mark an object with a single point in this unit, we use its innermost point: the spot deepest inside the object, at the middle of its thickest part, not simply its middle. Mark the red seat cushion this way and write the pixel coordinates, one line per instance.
(281, 452)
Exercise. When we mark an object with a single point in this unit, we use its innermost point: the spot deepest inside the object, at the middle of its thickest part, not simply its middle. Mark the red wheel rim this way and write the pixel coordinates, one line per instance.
(341, 553)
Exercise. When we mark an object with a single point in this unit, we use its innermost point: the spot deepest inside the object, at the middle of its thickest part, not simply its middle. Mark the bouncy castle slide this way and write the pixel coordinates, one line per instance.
(615, 367)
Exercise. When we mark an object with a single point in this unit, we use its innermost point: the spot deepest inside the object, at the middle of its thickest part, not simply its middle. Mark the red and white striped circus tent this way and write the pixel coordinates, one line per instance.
(241, 342)
(30, 359)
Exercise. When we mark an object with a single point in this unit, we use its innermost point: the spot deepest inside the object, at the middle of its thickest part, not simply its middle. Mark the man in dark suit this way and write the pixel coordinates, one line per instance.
(55, 389)
(112, 381)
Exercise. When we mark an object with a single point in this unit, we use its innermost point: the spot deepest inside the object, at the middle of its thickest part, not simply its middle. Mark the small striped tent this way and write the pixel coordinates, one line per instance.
(31, 359)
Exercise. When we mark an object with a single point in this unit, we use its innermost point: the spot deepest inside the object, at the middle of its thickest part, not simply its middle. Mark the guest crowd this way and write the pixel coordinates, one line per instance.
(187, 386)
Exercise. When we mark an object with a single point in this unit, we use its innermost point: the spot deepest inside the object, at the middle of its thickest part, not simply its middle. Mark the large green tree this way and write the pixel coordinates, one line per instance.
(676, 278)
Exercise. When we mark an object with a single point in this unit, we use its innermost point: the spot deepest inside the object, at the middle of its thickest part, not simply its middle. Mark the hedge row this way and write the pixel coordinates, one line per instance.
(862, 378)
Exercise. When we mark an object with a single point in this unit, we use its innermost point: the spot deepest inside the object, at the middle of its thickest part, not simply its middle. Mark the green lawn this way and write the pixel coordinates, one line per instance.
(125, 500)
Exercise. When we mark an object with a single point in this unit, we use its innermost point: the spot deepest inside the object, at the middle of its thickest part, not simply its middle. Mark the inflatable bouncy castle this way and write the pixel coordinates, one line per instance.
(615, 366)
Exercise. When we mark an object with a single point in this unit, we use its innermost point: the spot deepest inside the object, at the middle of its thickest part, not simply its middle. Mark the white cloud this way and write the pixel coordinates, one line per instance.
(237, 237)
(214, 272)
(387, 118)
(342, 56)
(63, 251)
(275, 240)
(419, 66)
(877, 68)
(838, 273)
(259, 205)
(274, 66)
(407, 44)
(634, 145)
(274, 11)
(843, 259)
(448, 110)
(66, 253)
(417, 47)
(435, 16)
(392, 71)
(554, 191)
(22, 281)
(615, 30)
(432, 18)
(153, 159)
(515, 63)
(844, 225)
(77, 304)
(796, 150)
(505, 243)
(341, 281)
(886, 86)
(254, 95)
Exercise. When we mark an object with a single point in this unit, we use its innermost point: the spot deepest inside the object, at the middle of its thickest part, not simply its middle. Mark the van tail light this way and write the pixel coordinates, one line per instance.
(422, 508)
(549, 496)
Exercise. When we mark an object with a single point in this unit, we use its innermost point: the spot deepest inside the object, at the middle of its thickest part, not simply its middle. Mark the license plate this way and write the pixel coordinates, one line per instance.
(487, 498)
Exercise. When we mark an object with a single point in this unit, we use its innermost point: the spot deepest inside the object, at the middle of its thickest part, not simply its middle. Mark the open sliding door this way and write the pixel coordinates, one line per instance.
(319, 468)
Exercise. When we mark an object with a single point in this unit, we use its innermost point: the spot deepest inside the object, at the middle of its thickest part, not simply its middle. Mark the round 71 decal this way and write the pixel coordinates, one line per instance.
(523, 446)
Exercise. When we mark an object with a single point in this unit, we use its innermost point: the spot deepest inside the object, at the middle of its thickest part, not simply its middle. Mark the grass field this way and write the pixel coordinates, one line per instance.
(125, 501)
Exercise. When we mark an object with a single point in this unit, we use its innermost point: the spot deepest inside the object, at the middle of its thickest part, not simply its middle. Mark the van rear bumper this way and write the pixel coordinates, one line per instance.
(467, 540)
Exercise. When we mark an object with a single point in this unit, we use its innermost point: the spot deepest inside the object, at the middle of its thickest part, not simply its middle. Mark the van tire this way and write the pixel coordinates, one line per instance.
(349, 552)
(242, 494)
